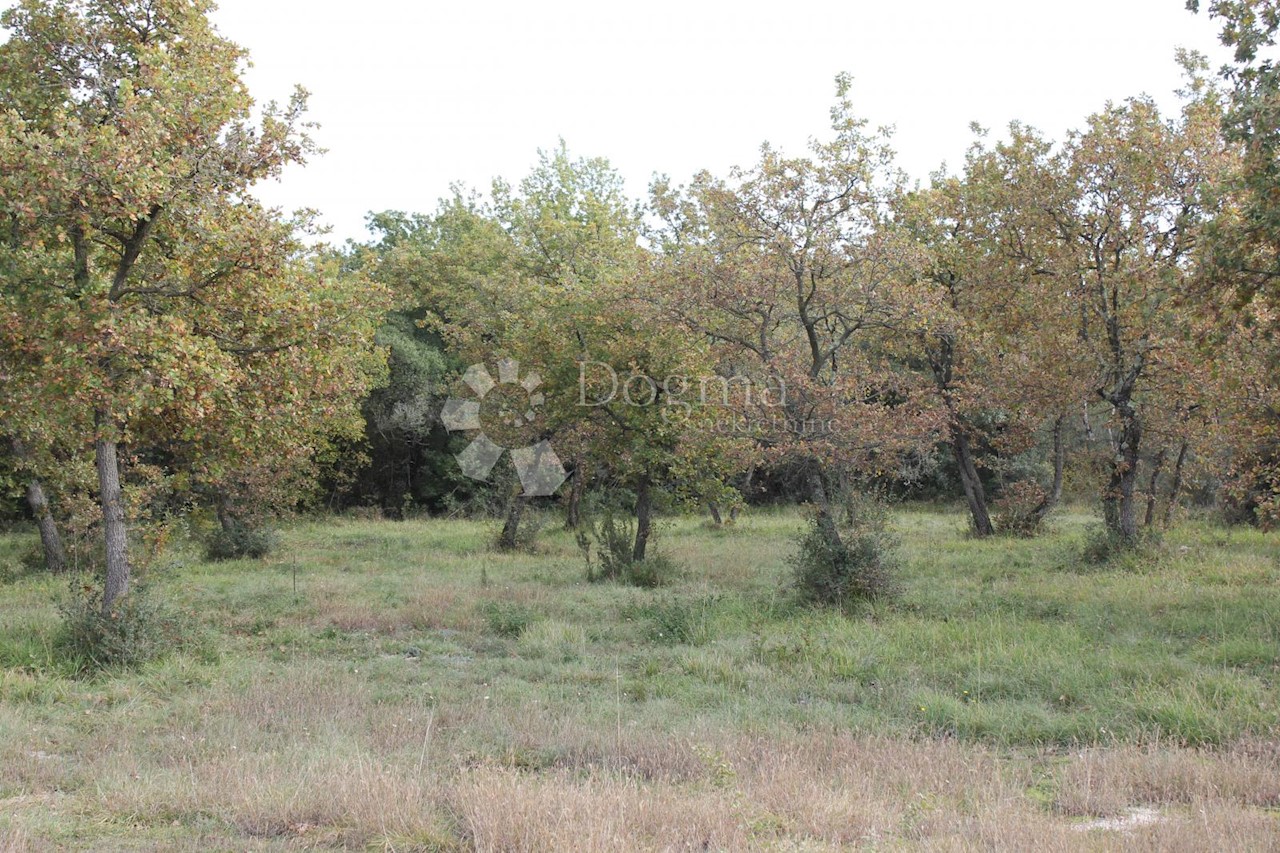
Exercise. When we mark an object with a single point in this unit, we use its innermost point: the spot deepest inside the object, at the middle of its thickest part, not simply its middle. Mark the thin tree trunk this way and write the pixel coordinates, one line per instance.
(1175, 489)
(1051, 500)
(573, 512)
(1156, 470)
(516, 504)
(716, 518)
(822, 501)
(644, 518)
(223, 512)
(55, 557)
(974, 494)
(115, 534)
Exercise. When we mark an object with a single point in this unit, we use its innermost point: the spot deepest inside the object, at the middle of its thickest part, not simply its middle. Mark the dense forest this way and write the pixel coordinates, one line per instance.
(1090, 318)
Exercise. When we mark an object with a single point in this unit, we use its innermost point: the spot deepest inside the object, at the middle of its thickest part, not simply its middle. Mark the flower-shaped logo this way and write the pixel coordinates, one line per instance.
(510, 404)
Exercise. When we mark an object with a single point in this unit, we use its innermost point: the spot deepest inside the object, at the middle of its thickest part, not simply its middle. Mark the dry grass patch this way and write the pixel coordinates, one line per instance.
(1107, 782)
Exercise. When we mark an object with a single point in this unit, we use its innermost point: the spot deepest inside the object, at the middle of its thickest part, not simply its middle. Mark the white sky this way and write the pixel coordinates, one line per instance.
(412, 96)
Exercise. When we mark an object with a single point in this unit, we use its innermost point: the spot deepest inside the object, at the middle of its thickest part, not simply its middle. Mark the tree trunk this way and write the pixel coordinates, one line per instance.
(1156, 469)
(644, 519)
(822, 502)
(55, 557)
(974, 494)
(1119, 510)
(1051, 500)
(573, 512)
(1175, 489)
(516, 504)
(716, 518)
(114, 531)
(225, 519)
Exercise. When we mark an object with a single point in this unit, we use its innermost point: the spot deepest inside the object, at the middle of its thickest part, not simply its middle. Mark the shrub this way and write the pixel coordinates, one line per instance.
(1018, 511)
(855, 566)
(1103, 547)
(652, 572)
(507, 618)
(136, 629)
(239, 540)
(613, 538)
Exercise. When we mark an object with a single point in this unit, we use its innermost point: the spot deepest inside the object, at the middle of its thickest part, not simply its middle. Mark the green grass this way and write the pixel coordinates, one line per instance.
(1008, 643)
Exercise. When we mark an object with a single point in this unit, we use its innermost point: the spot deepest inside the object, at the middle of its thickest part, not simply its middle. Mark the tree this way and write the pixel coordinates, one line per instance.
(145, 287)
(1128, 200)
(1242, 257)
(1000, 372)
(627, 390)
(550, 273)
(793, 270)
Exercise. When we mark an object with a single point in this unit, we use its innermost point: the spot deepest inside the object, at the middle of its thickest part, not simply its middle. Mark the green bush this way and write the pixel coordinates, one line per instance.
(614, 539)
(1103, 547)
(507, 618)
(855, 566)
(25, 563)
(239, 541)
(136, 630)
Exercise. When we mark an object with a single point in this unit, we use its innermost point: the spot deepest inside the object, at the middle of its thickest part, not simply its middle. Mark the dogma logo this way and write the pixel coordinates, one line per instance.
(507, 406)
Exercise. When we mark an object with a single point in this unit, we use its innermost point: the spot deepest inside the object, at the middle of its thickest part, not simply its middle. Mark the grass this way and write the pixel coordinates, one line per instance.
(402, 686)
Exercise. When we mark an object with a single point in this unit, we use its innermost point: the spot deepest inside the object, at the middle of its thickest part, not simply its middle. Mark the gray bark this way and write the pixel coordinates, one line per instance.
(573, 512)
(55, 556)
(820, 496)
(115, 534)
(974, 494)
(1152, 484)
(1119, 507)
(516, 504)
(1054, 497)
(1175, 490)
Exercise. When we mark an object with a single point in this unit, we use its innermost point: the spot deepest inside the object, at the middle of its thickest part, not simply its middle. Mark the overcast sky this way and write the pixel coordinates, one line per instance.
(415, 94)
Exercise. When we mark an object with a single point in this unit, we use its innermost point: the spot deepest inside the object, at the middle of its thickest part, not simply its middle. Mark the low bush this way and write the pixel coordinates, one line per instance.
(507, 618)
(856, 564)
(239, 540)
(612, 539)
(136, 629)
(1019, 510)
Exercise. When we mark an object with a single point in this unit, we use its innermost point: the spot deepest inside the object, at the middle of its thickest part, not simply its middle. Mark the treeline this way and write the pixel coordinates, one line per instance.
(1095, 314)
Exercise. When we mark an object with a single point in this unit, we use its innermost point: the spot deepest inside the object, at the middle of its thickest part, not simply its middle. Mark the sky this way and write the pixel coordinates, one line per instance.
(414, 95)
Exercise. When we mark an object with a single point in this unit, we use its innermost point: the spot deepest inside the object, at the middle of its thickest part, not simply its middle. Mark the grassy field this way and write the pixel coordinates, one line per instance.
(401, 686)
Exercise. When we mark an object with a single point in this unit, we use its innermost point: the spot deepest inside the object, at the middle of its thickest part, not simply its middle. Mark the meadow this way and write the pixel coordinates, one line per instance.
(403, 686)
